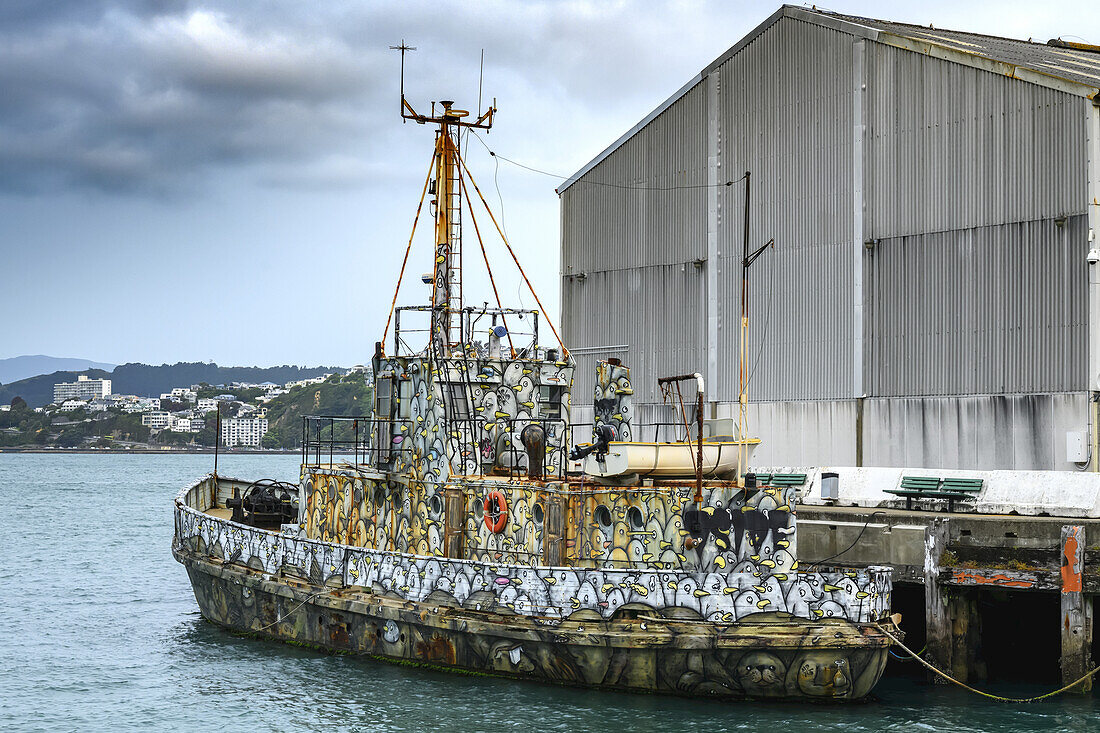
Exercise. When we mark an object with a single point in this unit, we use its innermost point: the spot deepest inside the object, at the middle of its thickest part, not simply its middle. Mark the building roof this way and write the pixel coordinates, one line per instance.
(1073, 62)
(1063, 65)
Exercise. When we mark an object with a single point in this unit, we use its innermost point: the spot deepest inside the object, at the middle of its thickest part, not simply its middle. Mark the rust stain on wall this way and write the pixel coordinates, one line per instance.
(1071, 570)
(1001, 580)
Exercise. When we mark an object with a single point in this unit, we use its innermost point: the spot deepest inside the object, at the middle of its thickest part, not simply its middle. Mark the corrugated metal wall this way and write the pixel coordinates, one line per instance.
(785, 111)
(971, 287)
(636, 249)
(786, 116)
(993, 310)
(952, 147)
(653, 309)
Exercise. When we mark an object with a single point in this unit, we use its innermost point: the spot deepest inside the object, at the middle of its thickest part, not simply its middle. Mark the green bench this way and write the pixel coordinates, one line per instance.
(932, 487)
(781, 479)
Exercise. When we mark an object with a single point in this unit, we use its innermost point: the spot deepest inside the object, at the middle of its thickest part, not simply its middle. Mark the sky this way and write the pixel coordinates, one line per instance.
(231, 181)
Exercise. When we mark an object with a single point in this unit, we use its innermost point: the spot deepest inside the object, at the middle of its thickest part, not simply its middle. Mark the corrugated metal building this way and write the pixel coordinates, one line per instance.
(933, 197)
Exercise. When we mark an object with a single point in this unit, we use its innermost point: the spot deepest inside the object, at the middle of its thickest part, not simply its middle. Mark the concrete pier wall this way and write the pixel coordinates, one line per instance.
(984, 432)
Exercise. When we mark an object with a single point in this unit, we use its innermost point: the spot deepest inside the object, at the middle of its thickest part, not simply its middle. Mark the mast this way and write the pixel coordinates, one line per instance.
(743, 393)
(447, 280)
(446, 302)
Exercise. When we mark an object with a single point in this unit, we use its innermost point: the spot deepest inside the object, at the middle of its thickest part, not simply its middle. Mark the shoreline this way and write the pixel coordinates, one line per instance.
(195, 451)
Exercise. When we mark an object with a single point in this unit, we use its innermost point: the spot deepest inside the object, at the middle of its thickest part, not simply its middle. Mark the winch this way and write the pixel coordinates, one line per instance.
(266, 503)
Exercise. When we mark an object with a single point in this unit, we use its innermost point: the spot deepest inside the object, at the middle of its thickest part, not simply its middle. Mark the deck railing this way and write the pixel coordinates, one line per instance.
(368, 441)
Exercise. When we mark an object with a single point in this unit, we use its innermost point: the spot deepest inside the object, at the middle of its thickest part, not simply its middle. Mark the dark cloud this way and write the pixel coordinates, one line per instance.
(153, 96)
(131, 102)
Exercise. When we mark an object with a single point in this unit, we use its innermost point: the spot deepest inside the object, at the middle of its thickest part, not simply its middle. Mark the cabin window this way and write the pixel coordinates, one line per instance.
(458, 403)
(602, 515)
(634, 514)
(537, 512)
(404, 399)
(550, 400)
(383, 406)
(383, 397)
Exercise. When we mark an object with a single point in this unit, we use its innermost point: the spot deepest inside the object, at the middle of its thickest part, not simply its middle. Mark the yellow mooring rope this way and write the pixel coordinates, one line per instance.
(965, 686)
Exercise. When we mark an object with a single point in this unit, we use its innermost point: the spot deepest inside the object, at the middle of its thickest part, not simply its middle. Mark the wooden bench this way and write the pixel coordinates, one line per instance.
(932, 487)
(781, 479)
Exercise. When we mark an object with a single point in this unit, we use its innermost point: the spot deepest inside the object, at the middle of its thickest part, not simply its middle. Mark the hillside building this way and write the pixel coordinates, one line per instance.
(243, 431)
(156, 420)
(933, 294)
(186, 424)
(84, 388)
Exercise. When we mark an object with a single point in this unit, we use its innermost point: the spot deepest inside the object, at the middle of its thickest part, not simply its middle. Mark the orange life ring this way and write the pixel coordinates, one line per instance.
(496, 512)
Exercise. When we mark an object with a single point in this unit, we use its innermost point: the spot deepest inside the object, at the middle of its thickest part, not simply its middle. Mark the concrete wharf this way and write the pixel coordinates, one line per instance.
(992, 589)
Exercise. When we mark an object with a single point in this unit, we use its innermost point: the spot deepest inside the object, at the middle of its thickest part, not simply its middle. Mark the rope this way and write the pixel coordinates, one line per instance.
(485, 256)
(854, 542)
(308, 598)
(393, 303)
(991, 696)
(906, 659)
(546, 314)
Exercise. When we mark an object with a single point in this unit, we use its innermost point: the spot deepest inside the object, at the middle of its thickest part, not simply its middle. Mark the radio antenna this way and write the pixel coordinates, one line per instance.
(480, 82)
(403, 48)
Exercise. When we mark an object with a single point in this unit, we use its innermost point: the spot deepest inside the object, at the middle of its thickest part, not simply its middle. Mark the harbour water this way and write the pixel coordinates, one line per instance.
(101, 632)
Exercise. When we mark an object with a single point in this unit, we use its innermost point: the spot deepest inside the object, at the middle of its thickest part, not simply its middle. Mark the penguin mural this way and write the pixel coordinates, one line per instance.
(625, 547)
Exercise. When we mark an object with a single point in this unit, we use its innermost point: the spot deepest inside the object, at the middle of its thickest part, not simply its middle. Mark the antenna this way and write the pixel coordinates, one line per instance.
(402, 48)
(448, 117)
(480, 82)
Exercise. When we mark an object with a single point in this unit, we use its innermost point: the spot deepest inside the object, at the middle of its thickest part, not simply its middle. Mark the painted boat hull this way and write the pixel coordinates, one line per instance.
(765, 656)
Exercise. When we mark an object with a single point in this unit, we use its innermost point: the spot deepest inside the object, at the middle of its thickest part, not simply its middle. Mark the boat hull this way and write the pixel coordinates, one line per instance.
(766, 655)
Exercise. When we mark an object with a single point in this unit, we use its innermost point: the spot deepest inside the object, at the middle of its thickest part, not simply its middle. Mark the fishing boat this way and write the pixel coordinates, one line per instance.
(469, 524)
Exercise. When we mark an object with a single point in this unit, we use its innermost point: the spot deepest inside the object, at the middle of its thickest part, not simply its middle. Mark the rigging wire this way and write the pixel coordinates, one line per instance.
(280, 619)
(549, 321)
(485, 256)
(763, 336)
(496, 155)
(416, 220)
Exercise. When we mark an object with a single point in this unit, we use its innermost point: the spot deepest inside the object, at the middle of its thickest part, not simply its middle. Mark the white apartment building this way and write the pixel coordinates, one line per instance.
(207, 404)
(307, 382)
(187, 424)
(82, 389)
(157, 419)
(243, 431)
(70, 405)
(179, 394)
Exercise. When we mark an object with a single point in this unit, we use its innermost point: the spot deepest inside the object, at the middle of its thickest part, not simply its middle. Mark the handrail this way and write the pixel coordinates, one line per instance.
(364, 438)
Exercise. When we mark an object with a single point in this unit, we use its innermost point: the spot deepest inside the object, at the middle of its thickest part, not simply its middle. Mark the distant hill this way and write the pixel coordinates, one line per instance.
(350, 395)
(23, 367)
(150, 381)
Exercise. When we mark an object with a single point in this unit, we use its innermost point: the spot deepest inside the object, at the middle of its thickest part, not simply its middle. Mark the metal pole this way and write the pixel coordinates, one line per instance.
(742, 398)
(217, 438)
(699, 463)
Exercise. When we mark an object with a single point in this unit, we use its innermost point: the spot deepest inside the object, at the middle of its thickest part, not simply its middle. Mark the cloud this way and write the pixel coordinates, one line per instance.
(124, 102)
(154, 98)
